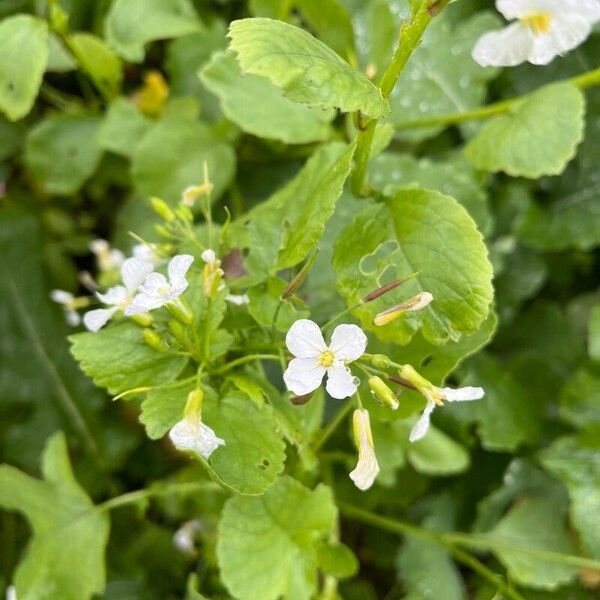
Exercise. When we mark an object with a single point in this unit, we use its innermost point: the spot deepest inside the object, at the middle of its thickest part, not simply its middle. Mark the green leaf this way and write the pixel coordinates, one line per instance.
(131, 24)
(404, 235)
(23, 57)
(534, 524)
(441, 77)
(280, 231)
(337, 560)
(594, 334)
(11, 138)
(61, 152)
(163, 407)
(122, 128)
(304, 68)
(539, 136)
(60, 60)
(281, 530)
(259, 107)
(190, 143)
(580, 399)
(97, 60)
(118, 359)
(576, 462)
(453, 177)
(66, 530)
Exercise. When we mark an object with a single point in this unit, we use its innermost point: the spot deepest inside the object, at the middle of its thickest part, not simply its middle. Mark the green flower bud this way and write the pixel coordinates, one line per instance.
(154, 340)
(162, 209)
(382, 393)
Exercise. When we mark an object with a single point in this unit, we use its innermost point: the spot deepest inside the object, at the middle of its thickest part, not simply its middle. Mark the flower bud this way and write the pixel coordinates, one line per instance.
(151, 98)
(162, 209)
(421, 300)
(180, 311)
(143, 319)
(212, 273)
(430, 391)
(184, 213)
(178, 331)
(192, 192)
(382, 393)
(300, 277)
(153, 340)
(193, 405)
(380, 361)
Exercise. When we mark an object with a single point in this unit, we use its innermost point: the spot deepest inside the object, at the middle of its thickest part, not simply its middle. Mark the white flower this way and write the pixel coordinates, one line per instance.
(192, 434)
(435, 397)
(133, 272)
(367, 467)
(314, 358)
(183, 539)
(156, 290)
(238, 299)
(543, 30)
(107, 258)
(146, 252)
(66, 300)
(212, 274)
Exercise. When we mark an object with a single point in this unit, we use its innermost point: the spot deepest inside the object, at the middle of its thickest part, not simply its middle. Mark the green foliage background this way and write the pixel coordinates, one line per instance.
(500, 500)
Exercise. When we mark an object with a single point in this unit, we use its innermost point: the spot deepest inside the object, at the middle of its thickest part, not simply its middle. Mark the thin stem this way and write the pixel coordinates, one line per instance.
(410, 36)
(333, 424)
(340, 315)
(244, 359)
(583, 81)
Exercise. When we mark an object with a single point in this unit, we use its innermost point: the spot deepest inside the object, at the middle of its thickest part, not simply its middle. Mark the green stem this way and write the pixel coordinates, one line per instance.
(410, 36)
(333, 424)
(583, 81)
(244, 359)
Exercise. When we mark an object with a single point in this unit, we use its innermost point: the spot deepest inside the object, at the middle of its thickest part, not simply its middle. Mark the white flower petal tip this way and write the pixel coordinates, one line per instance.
(313, 358)
(237, 299)
(107, 258)
(544, 30)
(209, 256)
(367, 467)
(94, 320)
(414, 304)
(422, 425)
(147, 253)
(464, 394)
(61, 297)
(195, 436)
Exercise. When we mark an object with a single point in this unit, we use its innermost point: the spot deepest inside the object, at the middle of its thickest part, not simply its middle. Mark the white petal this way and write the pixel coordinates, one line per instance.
(209, 256)
(134, 271)
(303, 375)
(156, 284)
(590, 9)
(567, 31)
(178, 267)
(340, 382)
(422, 425)
(61, 297)
(462, 394)
(73, 318)
(145, 252)
(143, 303)
(504, 48)
(94, 320)
(98, 246)
(514, 9)
(116, 258)
(196, 437)
(114, 296)
(237, 299)
(348, 342)
(305, 340)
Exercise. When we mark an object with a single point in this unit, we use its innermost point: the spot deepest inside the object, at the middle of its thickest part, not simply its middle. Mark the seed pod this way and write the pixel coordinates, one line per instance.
(300, 400)
(388, 287)
(300, 277)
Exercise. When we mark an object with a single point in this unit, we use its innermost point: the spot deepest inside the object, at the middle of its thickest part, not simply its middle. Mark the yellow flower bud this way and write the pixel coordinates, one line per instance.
(162, 209)
(193, 405)
(382, 393)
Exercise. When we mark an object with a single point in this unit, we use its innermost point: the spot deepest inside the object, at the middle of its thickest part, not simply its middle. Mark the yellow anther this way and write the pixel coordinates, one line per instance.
(326, 359)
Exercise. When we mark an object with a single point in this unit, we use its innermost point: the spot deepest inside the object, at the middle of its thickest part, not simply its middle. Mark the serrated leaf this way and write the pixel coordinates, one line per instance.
(453, 177)
(23, 58)
(577, 464)
(416, 230)
(118, 359)
(98, 60)
(304, 68)
(281, 231)
(190, 143)
(259, 107)
(67, 531)
(280, 529)
(61, 152)
(441, 77)
(122, 128)
(539, 136)
(131, 24)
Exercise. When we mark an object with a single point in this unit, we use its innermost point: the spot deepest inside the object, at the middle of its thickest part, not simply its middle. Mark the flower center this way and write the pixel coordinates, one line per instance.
(539, 23)
(326, 358)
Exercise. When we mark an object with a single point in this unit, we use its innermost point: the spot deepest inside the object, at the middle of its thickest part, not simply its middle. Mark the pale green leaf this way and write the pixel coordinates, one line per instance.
(98, 60)
(305, 69)
(416, 230)
(23, 57)
(171, 157)
(60, 59)
(259, 107)
(122, 128)
(66, 530)
(118, 359)
(337, 560)
(594, 334)
(131, 24)
(539, 136)
(267, 545)
(61, 152)
(580, 399)
(441, 77)
(283, 229)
